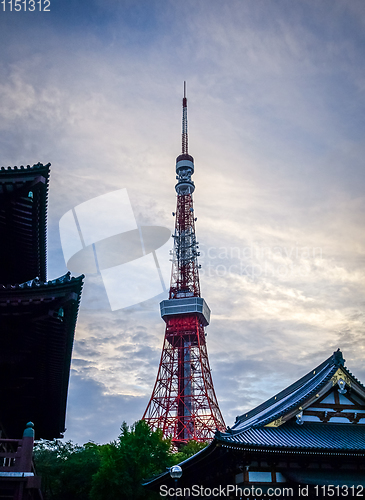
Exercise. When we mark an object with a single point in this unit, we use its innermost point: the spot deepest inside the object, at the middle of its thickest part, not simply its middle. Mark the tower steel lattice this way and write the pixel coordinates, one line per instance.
(183, 402)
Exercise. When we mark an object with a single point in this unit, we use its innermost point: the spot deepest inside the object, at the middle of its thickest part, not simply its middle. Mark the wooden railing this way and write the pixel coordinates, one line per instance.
(16, 467)
(16, 454)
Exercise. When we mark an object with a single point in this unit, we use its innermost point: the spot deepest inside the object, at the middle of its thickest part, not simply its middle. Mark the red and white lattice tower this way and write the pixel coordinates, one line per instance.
(183, 402)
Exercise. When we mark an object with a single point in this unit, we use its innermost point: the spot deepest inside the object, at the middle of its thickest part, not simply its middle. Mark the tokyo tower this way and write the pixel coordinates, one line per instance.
(183, 402)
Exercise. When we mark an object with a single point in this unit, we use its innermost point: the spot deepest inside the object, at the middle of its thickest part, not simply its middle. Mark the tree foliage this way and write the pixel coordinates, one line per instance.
(186, 451)
(66, 469)
(138, 454)
(109, 471)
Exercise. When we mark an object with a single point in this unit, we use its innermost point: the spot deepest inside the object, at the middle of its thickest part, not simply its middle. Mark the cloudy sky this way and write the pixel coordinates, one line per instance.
(276, 92)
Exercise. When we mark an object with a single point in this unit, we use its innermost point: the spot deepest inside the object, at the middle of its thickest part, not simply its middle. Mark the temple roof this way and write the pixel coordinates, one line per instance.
(271, 423)
(311, 436)
(292, 396)
(23, 214)
(37, 324)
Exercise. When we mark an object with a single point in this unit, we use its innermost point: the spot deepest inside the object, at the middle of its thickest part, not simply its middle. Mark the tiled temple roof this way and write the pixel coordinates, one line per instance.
(310, 436)
(271, 423)
(292, 396)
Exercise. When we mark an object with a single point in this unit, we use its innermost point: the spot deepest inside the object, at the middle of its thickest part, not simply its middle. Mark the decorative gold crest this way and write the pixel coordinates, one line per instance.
(275, 423)
(338, 375)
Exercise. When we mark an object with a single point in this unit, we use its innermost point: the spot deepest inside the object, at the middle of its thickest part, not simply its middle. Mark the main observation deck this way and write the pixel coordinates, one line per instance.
(186, 305)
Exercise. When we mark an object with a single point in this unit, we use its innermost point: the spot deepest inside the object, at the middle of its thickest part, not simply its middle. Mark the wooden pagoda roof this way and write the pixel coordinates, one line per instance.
(37, 324)
(23, 213)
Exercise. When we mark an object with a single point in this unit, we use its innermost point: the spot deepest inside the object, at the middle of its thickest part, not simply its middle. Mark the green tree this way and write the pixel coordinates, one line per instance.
(187, 450)
(107, 472)
(66, 469)
(137, 454)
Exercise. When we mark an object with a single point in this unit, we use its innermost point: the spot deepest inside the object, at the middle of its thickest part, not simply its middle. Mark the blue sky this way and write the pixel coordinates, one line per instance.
(276, 94)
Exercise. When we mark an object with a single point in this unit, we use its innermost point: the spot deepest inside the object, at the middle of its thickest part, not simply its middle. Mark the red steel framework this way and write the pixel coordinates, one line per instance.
(183, 402)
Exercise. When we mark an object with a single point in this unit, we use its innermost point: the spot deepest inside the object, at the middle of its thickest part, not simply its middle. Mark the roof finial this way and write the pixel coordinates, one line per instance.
(185, 123)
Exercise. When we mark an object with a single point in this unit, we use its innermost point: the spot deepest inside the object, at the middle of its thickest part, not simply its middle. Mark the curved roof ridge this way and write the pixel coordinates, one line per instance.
(274, 407)
(353, 377)
(28, 167)
(36, 282)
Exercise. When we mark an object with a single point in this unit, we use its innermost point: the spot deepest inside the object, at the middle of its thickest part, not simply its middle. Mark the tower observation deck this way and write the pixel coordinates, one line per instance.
(183, 402)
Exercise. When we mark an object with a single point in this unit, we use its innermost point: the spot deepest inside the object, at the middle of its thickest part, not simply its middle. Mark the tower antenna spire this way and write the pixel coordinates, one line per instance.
(185, 123)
